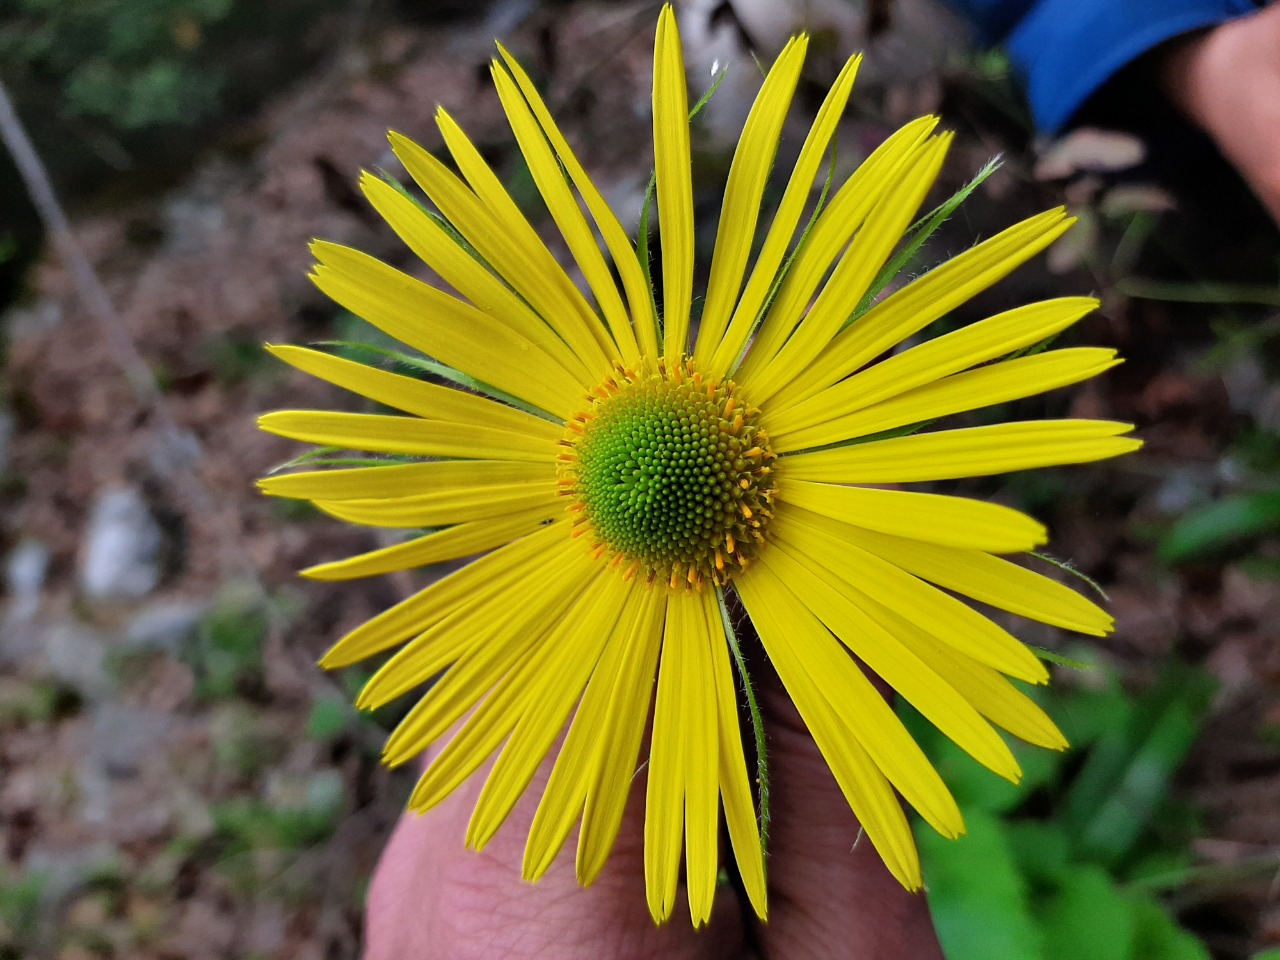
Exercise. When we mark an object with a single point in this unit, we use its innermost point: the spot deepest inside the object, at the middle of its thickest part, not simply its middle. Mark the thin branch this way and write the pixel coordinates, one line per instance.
(182, 450)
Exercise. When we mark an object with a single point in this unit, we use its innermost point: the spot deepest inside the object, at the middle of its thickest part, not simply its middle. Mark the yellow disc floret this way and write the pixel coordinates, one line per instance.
(671, 474)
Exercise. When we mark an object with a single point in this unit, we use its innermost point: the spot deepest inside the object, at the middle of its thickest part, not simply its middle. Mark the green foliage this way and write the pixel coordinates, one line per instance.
(234, 360)
(249, 824)
(260, 838)
(20, 896)
(1236, 522)
(1056, 867)
(131, 62)
(44, 700)
(243, 744)
(227, 652)
(329, 718)
(1228, 525)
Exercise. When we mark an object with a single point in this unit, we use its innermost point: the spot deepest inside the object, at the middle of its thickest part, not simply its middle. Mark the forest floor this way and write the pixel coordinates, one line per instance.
(177, 777)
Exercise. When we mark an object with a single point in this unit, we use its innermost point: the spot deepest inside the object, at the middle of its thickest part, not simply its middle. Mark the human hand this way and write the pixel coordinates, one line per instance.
(829, 896)
(1227, 80)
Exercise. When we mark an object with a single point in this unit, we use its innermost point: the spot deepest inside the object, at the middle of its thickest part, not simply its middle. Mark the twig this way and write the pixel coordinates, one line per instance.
(182, 450)
(36, 178)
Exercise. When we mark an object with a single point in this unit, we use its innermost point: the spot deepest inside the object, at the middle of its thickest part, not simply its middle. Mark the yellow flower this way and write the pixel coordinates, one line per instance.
(619, 471)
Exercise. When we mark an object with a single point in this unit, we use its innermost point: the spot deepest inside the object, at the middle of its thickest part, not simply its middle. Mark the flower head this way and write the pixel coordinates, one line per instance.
(619, 473)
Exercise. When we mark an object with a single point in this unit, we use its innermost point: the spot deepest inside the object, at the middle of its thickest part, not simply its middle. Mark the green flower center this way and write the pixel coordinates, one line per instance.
(671, 475)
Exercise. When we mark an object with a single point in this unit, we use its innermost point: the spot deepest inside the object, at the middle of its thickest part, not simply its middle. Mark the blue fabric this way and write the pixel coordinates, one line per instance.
(1064, 50)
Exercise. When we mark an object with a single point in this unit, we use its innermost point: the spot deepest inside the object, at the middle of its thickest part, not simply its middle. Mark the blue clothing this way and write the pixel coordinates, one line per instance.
(1065, 50)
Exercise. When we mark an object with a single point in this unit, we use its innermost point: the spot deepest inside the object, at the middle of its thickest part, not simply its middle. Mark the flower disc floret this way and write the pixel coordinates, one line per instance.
(671, 474)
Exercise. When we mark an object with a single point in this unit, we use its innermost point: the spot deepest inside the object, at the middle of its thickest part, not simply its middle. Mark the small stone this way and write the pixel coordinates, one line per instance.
(76, 655)
(121, 737)
(24, 574)
(165, 626)
(1178, 491)
(120, 555)
(64, 868)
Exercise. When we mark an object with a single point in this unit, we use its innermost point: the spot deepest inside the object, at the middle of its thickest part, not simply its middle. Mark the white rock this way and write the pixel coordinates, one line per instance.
(24, 574)
(120, 553)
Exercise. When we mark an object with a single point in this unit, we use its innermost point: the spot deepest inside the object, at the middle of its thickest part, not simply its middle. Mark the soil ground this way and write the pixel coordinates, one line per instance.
(197, 787)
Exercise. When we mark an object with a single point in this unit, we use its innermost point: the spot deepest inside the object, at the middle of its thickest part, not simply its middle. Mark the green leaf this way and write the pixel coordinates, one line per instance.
(328, 718)
(973, 785)
(1221, 527)
(1126, 778)
(1156, 934)
(1040, 848)
(977, 895)
(1049, 656)
(1086, 716)
(1090, 918)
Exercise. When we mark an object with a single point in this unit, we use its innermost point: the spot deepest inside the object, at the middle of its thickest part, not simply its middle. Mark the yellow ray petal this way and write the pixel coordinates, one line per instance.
(639, 296)
(483, 732)
(553, 687)
(483, 614)
(485, 663)
(529, 252)
(960, 392)
(845, 613)
(991, 694)
(450, 698)
(967, 452)
(444, 506)
(923, 301)
(952, 521)
(399, 480)
(443, 327)
(675, 186)
(717, 349)
(735, 788)
(422, 438)
(865, 788)
(862, 261)
(969, 346)
(590, 738)
(880, 174)
(564, 209)
(431, 604)
(506, 241)
(748, 175)
(418, 397)
(934, 611)
(988, 579)
(440, 250)
(701, 747)
(449, 544)
(619, 738)
(665, 797)
(839, 681)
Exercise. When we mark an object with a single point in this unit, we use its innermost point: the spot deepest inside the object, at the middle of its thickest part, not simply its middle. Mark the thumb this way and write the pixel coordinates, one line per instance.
(431, 897)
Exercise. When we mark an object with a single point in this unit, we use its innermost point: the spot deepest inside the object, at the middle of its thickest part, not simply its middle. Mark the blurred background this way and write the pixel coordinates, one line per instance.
(177, 777)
